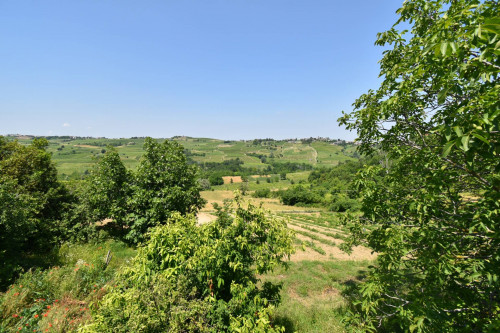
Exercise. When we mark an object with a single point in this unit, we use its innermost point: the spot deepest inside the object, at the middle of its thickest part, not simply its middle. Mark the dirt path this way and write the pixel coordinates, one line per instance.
(315, 155)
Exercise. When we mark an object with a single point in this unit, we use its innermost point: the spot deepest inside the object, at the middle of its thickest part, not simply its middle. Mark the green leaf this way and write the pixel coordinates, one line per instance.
(480, 137)
(465, 143)
(492, 25)
(444, 48)
(441, 97)
(447, 148)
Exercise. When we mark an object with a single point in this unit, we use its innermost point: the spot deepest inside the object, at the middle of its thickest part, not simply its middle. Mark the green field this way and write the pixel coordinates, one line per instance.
(75, 156)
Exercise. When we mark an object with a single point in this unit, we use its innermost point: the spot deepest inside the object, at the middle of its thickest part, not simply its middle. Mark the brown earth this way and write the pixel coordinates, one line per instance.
(236, 179)
(204, 217)
(332, 252)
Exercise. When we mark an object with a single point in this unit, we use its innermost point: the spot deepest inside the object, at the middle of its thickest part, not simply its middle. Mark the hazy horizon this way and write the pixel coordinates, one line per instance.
(174, 136)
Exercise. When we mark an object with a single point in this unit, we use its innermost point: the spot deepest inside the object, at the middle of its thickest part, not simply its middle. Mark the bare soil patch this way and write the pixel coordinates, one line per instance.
(224, 146)
(103, 222)
(236, 179)
(204, 217)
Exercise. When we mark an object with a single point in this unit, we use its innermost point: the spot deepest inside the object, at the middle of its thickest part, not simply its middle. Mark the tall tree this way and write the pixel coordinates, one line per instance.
(107, 188)
(164, 183)
(436, 215)
(32, 203)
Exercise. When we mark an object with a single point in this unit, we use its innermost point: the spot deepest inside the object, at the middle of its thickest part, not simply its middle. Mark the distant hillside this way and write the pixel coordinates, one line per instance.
(74, 155)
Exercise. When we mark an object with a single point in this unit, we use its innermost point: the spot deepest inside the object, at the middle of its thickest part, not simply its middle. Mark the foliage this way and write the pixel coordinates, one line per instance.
(17, 226)
(262, 193)
(200, 278)
(300, 195)
(204, 184)
(32, 204)
(59, 298)
(107, 189)
(216, 180)
(436, 213)
(235, 167)
(163, 183)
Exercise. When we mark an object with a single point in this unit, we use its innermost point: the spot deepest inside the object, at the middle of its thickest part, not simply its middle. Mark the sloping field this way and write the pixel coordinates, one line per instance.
(319, 237)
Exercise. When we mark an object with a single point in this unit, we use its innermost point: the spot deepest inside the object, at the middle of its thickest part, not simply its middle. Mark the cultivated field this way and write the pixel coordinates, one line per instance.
(76, 156)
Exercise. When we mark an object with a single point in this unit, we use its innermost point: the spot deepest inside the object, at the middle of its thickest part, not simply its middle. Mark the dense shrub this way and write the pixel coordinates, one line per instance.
(216, 180)
(200, 278)
(300, 195)
(262, 193)
(342, 203)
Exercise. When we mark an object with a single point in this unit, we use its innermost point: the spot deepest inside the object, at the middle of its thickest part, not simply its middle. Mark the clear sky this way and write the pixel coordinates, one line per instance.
(231, 69)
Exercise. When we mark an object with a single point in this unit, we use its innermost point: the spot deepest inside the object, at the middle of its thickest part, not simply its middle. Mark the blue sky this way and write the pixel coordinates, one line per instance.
(228, 69)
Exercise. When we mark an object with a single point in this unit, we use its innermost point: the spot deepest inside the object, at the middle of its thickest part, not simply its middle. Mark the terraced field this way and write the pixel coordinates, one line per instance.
(319, 235)
(319, 274)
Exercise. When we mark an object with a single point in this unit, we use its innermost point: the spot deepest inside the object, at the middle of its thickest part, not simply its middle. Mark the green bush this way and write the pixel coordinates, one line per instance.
(200, 278)
(216, 180)
(262, 193)
(342, 203)
(300, 196)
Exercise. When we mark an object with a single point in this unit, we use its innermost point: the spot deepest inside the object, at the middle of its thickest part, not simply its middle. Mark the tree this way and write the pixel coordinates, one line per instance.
(107, 188)
(32, 204)
(163, 183)
(435, 216)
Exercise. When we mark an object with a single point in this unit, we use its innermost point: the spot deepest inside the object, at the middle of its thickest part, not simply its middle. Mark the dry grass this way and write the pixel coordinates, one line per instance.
(217, 197)
(204, 217)
(271, 204)
(359, 253)
(235, 179)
